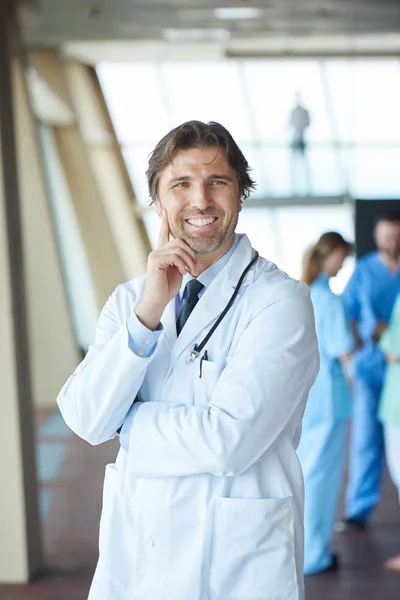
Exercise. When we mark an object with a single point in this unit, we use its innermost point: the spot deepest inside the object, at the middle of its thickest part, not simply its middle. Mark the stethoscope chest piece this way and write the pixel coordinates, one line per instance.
(192, 354)
(197, 348)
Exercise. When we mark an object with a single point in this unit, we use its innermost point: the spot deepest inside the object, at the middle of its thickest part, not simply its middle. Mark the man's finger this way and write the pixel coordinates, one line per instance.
(164, 258)
(187, 259)
(179, 264)
(163, 237)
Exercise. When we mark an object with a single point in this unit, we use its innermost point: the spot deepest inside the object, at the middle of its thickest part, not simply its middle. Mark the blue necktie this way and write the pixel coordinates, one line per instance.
(193, 288)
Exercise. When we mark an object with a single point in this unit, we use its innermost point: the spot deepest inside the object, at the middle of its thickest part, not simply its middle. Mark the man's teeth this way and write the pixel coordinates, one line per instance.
(201, 222)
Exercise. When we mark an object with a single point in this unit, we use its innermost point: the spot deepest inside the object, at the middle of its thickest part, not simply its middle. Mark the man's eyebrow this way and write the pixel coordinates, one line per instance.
(177, 179)
(226, 177)
(188, 178)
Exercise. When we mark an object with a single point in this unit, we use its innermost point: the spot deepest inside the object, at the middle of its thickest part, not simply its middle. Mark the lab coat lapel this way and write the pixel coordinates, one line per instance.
(208, 308)
(214, 299)
(169, 323)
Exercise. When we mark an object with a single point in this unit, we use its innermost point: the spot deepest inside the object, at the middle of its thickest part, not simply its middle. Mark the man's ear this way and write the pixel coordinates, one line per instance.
(157, 206)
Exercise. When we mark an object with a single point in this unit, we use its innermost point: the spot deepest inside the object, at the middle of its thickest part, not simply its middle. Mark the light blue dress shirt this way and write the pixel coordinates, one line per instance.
(143, 341)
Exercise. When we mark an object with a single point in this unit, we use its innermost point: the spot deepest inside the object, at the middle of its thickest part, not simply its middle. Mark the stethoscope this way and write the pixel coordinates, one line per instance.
(196, 350)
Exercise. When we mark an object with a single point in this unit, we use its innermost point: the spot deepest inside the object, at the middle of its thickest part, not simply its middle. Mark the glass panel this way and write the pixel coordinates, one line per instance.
(282, 235)
(135, 101)
(374, 173)
(339, 80)
(316, 173)
(326, 172)
(277, 164)
(365, 98)
(355, 102)
(299, 227)
(152, 223)
(272, 89)
(254, 222)
(255, 157)
(206, 92)
(137, 158)
(76, 269)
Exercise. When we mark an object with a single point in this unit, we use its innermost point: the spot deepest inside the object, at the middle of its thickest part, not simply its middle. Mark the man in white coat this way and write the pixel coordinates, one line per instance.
(205, 499)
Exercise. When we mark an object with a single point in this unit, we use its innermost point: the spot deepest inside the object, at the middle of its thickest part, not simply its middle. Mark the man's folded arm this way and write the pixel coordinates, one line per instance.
(265, 383)
(97, 397)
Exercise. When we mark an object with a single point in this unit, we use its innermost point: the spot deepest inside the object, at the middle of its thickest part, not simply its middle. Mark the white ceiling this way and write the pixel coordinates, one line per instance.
(282, 25)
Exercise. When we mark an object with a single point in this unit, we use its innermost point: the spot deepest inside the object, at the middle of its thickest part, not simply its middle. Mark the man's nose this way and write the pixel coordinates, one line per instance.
(201, 196)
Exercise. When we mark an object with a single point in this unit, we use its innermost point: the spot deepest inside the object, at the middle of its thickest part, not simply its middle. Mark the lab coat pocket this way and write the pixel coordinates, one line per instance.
(206, 383)
(253, 549)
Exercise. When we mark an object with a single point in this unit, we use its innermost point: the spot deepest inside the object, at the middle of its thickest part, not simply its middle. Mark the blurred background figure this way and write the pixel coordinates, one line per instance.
(299, 122)
(389, 410)
(322, 445)
(300, 170)
(369, 298)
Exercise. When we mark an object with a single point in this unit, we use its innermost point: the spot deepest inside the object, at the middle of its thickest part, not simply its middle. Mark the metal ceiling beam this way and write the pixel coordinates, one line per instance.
(268, 201)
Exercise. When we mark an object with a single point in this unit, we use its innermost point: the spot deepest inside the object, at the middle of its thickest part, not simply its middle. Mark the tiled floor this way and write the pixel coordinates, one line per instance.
(362, 576)
(71, 475)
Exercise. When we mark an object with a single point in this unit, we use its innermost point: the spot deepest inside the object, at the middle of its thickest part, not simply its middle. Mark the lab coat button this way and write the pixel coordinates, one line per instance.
(150, 543)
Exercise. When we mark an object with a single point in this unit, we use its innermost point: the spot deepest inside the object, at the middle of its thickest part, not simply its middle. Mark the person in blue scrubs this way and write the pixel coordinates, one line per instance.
(322, 445)
(389, 407)
(369, 299)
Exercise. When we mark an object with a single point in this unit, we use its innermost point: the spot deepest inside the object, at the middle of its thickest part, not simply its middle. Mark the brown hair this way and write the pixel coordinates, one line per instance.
(315, 256)
(196, 134)
(391, 216)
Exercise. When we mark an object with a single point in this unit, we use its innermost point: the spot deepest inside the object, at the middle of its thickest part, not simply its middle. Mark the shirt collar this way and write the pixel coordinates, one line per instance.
(322, 278)
(207, 277)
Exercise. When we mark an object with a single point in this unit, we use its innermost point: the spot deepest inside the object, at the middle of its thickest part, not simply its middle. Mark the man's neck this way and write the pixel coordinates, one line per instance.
(207, 260)
(391, 262)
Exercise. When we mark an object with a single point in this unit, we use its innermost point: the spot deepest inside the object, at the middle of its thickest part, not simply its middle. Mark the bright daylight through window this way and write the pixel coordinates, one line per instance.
(353, 150)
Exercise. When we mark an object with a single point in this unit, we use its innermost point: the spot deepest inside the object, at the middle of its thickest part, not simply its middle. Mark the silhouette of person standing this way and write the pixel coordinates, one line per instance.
(299, 122)
(300, 171)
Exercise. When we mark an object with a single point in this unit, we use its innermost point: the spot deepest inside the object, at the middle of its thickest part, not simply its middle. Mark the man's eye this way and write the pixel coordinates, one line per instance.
(182, 184)
(218, 182)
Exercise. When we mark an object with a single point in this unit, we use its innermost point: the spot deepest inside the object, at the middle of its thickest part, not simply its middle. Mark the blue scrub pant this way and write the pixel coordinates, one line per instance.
(321, 453)
(366, 451)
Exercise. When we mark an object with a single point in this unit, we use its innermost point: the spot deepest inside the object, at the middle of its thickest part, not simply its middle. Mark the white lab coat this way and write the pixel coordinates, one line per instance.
(207, 503)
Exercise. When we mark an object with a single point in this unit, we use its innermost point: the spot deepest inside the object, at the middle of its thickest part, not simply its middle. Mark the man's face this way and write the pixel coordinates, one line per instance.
(387, 238)
(200, 192)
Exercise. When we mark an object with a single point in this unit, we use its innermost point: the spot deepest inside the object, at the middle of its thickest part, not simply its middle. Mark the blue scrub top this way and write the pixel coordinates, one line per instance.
(370, 296)
(329, 397)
